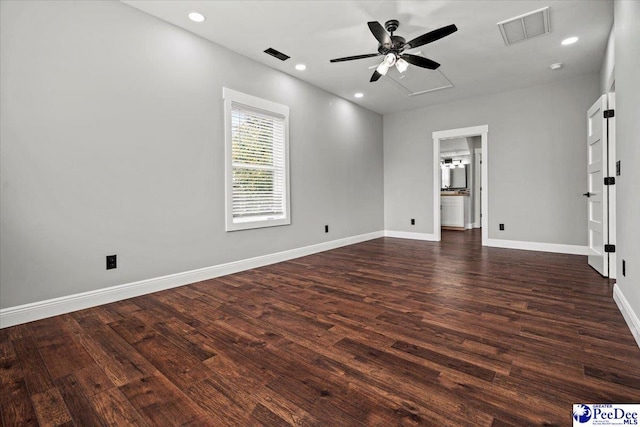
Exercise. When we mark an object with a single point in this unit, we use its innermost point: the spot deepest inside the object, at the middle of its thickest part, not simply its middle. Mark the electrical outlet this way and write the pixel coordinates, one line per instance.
(413, 221)
(111, 262)
(326, 228)
(501, 227)
(624, 268)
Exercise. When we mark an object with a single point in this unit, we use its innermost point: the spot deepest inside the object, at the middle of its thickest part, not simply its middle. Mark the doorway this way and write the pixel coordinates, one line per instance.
(438, 137)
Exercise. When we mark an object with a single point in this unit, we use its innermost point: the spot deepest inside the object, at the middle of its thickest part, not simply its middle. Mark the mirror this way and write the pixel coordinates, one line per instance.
(455, 178)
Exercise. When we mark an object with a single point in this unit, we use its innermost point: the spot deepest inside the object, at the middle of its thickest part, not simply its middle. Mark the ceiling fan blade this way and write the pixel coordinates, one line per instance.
(380, 33)
(351, 58)
(420, 61)
(376, 75)
(432, 36)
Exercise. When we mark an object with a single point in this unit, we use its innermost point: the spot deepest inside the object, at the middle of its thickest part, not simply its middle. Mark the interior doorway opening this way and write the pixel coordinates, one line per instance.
(476, 184)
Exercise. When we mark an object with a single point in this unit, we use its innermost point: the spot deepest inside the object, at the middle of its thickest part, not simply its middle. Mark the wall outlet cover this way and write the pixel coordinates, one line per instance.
(111, 262)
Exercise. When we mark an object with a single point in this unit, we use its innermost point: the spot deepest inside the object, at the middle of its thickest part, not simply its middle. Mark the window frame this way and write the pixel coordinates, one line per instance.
(270, 108)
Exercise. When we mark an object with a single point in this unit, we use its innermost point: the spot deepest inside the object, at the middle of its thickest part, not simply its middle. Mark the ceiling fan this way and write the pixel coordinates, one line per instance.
(393, 47)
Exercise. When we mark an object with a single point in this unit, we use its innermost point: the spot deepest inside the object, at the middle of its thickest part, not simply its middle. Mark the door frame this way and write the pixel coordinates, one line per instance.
(482, 131)
(477, 183)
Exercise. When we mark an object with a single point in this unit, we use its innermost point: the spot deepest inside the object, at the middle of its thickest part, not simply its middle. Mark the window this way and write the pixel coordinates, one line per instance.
(257, 162)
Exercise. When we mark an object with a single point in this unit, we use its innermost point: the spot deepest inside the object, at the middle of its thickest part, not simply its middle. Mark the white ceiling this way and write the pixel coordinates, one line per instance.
(475, 59)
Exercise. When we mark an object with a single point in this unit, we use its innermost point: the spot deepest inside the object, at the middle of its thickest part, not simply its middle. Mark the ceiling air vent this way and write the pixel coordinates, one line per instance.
(527, 26)
(281, 56)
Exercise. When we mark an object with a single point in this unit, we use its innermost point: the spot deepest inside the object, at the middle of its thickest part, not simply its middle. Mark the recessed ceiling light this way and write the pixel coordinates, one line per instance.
(570, 40)
(196, 17)
(556, 66)
(358, 94)
(301, 67)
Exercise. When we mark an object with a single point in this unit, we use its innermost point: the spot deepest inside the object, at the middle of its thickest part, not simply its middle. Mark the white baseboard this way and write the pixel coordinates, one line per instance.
(537, 246)
(42, 309)
(410, 235)
(469, 226)
(627, 312)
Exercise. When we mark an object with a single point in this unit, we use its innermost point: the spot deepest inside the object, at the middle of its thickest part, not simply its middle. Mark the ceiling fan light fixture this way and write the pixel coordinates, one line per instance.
(388, 62)
(390, 59)
(402, 65)
(383, 68)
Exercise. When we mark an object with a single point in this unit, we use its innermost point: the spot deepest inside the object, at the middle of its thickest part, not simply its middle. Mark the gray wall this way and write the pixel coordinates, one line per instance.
(112, 143)
(537, 161)
(627, 64)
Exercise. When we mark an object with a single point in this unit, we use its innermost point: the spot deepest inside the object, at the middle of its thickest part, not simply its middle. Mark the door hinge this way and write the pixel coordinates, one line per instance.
(609, 180)
(609, 248)
(609, 113)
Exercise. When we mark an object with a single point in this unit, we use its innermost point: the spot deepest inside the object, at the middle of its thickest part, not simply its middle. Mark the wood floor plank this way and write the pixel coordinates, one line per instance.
(267, 418)
(182, 368)
(119, 360)
(160, 402)
(77, 402)
(114, 409)
(16, 407)
(50, 408)
(219, 403)
(36, 374)
(10, 369)
(446, 361)
(91, 380)
(385, 332)
(285, 409)
(65, 356)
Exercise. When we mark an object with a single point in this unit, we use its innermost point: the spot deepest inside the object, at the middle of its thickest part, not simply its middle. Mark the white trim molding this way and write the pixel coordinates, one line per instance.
(627, 312)
(411, 235)
(42, 309)
(538, 246)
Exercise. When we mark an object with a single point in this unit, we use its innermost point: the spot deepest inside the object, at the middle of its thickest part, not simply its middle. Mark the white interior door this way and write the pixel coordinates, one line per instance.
(597, 160)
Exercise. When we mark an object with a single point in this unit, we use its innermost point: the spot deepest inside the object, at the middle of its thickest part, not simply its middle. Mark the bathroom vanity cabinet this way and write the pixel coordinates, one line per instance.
(454, 212)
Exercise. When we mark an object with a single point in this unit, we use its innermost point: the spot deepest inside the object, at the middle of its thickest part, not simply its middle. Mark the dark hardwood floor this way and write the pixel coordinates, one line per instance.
(382, 333)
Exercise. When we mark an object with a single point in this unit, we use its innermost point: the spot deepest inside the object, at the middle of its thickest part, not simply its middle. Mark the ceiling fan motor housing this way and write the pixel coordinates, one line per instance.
(397, 44)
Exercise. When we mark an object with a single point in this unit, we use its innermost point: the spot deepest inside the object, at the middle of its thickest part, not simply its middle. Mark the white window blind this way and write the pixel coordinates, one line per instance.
(257, 184)
(258, 164)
